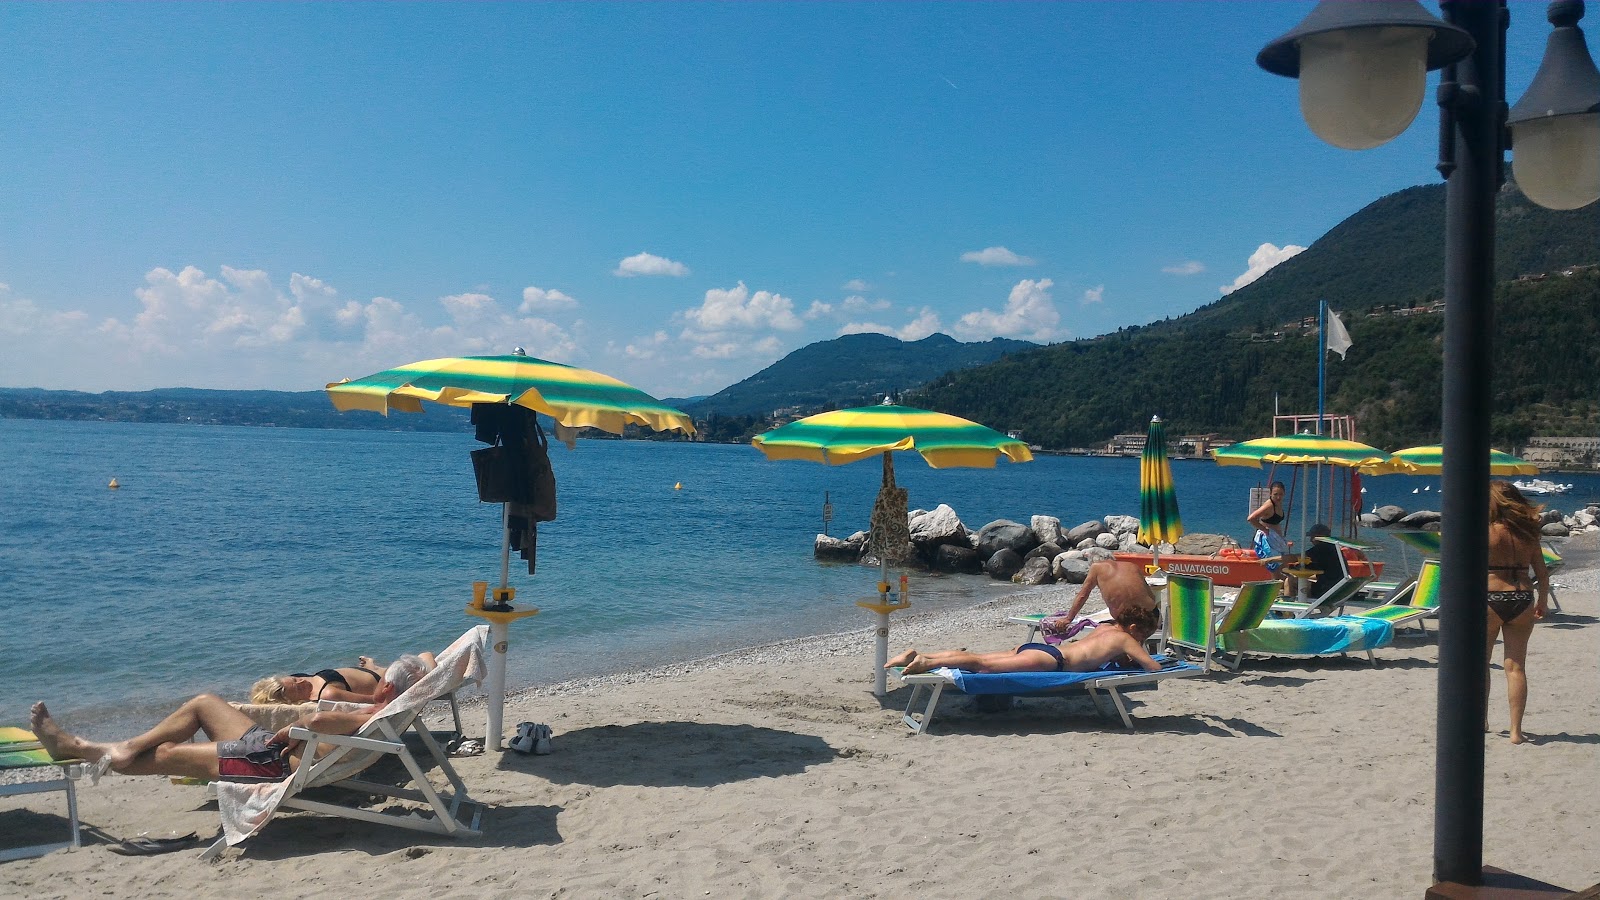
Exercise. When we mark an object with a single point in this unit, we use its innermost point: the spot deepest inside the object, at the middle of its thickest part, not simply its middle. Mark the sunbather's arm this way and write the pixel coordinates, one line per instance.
(1089, 583)
(325, 722)
(334, 692)
(1136, 652)
(1541, 580)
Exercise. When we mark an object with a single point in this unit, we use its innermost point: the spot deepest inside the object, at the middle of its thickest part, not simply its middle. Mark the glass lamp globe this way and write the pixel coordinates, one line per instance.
(1361, 87)
(1556, 160)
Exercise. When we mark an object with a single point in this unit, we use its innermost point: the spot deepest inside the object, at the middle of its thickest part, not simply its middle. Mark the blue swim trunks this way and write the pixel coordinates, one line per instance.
(1060, 663)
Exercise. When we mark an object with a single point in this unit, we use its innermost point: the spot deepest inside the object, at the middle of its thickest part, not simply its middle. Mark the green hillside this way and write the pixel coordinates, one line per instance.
(849, 371)
(1218, 369)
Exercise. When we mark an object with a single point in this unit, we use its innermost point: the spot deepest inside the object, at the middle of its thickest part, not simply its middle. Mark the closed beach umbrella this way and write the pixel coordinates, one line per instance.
(1300, 450)
(574, 397)
(846, 435)
(1159, 521)
(1430, 461)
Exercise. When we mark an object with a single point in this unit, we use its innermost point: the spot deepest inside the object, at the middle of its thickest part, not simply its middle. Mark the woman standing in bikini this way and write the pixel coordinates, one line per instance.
(1513, 550)
(1269, 541)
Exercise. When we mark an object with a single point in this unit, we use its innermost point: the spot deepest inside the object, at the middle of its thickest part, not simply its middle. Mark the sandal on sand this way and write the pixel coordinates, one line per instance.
(149, 846)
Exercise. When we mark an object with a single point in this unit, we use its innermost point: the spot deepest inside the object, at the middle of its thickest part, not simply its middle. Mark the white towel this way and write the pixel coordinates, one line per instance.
(247, 807)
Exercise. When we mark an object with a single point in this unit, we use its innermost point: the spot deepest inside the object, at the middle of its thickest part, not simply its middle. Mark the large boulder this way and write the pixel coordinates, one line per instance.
(1047, 529)
(1047, 550)
(1003, 564)
(936, 527)
(1201, 544)
(1096, 554)
(1418, 519)
(832, 549)
(1583, 518)
(1130, 543)
(1071, 569)
(1554, 529)
(1087, 530)
(1122, 524)
(1372, 520)
(1035, 571)
(1550, 515)
(1004, 534)
(1107, 540)
(957, 558)
(1388, 515)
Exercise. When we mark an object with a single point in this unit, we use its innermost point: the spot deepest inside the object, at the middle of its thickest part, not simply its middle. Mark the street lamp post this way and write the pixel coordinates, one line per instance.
(1362, 70)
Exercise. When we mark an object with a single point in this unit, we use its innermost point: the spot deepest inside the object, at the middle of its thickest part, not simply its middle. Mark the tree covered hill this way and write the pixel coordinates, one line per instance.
(1219, 368)
(851, 370)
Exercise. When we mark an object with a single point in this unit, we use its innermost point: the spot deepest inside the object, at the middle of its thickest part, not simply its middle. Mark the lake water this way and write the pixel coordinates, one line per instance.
(231, 553)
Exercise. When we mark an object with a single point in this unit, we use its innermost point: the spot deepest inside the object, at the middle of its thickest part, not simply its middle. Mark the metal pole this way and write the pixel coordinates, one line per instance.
(1322, 363)
(880, 657)
(499, 641)
(1472, 107)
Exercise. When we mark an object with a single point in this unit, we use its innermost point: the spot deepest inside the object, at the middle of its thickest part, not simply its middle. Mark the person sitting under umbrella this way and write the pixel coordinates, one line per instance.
(1121, 639)
(239, 750)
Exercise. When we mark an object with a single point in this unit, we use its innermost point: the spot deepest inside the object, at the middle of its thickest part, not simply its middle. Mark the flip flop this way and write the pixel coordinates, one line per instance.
(149, 846)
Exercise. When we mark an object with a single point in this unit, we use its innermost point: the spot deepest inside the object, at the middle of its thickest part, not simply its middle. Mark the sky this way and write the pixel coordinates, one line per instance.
(279, 196)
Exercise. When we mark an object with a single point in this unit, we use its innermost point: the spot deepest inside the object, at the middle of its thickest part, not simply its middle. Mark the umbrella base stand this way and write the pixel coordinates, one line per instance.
(499, 644)
(880, 647)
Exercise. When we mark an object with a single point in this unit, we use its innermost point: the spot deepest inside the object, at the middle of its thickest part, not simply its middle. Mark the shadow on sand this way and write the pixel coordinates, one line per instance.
(672, 754)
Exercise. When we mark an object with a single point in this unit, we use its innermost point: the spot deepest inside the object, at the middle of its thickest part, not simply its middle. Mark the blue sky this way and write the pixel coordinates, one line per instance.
(278, 196)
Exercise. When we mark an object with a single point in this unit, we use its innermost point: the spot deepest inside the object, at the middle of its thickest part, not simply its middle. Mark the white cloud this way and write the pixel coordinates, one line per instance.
(862, 304)
(818, 310)
(1096, 294)
(648, 346)
(736, 309)
(852, 305)
(995, 256)
(926, 323)
(1188, 267)
(855, 285)
(540, 300)
(1265, 257)
(1029, 314)
(765, 347)
(649, 264)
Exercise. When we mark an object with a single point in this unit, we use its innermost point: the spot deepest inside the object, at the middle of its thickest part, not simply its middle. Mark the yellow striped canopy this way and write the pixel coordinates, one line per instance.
(1430, 461)
(1159, 521)
(846, 435)
(1304, 449)
(572, 396)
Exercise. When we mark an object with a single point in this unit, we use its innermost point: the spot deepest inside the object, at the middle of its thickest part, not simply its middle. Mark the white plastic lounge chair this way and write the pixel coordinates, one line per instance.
(1333, 600)
(1112, 681)
(30, 770)
(336, 760)
(1195, 623)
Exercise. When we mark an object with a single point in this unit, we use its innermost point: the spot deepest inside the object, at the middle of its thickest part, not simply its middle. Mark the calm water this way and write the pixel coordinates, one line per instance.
(230, 553)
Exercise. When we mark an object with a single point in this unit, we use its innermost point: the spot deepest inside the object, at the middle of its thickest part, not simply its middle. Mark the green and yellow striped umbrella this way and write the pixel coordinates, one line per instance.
(846, 435)
(1159, 521)
(1430, 461)
(572, 396)
(1304, 449)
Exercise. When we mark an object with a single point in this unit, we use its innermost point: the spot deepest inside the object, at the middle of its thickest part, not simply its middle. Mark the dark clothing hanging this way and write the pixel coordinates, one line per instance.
(515, 471)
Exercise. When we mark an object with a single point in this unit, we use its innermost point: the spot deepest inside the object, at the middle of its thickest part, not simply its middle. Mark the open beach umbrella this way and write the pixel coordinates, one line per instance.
(1430, 461)
(574, 397)
(1300, 450)
(846, 435)
(1159, 521)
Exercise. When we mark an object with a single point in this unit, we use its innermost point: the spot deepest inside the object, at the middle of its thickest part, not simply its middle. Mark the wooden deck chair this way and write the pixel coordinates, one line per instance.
(1422, 601)
(337, 760)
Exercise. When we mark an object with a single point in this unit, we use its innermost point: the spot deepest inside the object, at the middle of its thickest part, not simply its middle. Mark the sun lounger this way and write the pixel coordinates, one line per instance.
(1113, 682)
(1327, 636)
(26, 768)
(1194, 623)
(335, 760)
(1420, 602)
(1428, 542)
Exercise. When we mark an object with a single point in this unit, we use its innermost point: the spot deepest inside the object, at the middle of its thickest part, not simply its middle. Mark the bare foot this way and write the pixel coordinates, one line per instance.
(1518, 737)
(917, 665)
(57, 742)
(367, 662)
(900, 660)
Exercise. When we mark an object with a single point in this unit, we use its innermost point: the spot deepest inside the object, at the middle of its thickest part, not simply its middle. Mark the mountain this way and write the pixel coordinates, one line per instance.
(196, 406)
(1224, 367)
(852, 370)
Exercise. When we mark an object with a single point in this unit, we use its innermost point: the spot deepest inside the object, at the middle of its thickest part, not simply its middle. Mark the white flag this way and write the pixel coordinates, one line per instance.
(1338, 338)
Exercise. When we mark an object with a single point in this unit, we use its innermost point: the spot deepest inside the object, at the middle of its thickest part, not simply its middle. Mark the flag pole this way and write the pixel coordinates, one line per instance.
(1322, 359)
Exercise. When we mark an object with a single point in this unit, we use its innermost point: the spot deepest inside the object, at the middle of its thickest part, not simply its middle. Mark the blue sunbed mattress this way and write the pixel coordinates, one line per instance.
(1034, 682)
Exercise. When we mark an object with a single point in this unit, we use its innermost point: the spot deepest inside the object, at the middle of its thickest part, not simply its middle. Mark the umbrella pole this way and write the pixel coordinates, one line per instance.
(499, 641)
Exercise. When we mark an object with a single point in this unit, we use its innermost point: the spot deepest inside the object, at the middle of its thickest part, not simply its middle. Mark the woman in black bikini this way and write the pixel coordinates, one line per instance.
(1269, 540)
(351, 684)
(1513, 550)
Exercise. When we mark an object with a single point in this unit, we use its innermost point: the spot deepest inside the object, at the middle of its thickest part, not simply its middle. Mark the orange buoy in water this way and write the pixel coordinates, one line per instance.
(113, 485)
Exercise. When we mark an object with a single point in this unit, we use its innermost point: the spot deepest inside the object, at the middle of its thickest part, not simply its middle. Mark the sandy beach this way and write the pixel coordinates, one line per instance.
(775, 772)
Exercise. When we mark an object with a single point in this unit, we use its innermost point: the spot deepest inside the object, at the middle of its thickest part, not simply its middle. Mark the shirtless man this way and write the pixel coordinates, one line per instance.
(1122, 587)
(238, 750)
(1123, 637)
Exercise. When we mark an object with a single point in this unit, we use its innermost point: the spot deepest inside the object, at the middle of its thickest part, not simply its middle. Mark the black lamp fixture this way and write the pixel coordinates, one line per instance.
(1363, 70)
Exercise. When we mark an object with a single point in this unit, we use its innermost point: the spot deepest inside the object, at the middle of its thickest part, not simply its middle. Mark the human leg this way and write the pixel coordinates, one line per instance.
(207, 712)
(1516, 634)
(996, 661)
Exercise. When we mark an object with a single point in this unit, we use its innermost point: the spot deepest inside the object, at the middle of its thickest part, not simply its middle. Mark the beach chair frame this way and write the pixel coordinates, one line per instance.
(931, 685)
(1422, 601)
(67, 782)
